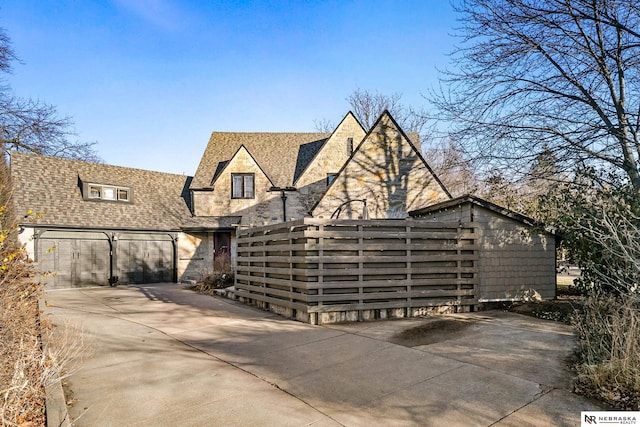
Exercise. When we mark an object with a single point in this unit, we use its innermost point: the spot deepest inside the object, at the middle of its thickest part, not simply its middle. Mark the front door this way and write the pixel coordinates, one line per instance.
(221, 244)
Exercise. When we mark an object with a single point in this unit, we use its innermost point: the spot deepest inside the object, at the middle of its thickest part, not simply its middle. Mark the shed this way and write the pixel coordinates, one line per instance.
(517, 255)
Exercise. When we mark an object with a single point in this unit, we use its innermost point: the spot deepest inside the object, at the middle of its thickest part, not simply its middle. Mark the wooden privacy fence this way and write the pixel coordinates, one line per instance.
(322, 271)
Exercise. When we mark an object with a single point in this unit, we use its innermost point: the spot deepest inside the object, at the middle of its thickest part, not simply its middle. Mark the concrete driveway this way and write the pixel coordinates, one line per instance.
(164, 355)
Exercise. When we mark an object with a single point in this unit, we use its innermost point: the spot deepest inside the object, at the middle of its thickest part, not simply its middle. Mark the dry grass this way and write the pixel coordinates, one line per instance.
(608, 353)
(21, 358)
(564, 282)
(26, 365)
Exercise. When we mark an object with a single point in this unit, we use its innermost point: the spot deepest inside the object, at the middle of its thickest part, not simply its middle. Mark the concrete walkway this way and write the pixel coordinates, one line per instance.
(163, 355)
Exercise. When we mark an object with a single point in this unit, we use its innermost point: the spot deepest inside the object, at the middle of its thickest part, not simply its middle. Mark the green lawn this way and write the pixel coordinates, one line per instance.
(564, 282)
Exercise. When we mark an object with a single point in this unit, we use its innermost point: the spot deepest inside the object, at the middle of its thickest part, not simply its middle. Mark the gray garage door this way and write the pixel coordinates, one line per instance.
(74, 258)
(144, 258)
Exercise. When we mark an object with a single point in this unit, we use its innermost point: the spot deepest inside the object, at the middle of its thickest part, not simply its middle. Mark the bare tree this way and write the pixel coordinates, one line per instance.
(7, 53)
(451, 168)
(31, 125)
(443, 155)
(368, 106)
(555, 76)
(324, 125)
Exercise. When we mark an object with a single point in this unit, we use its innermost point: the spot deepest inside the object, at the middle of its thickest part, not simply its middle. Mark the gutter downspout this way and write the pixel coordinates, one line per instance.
(283, 196)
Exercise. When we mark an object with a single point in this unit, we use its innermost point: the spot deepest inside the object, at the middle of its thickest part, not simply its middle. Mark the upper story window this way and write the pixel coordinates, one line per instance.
(242, 186)
(107, 192)
(349, 146)
(331, 177)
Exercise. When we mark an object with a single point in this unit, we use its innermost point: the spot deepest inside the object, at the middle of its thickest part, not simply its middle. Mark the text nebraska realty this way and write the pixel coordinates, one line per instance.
(610, 419)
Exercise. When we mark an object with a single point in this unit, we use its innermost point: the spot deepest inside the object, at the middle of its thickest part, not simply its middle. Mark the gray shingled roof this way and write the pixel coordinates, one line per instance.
(52, 185)
(468, 198)
(279, 155)
(306, 153)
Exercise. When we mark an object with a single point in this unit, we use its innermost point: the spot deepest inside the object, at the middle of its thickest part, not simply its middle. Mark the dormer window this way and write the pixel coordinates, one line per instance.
(107, 192)
(124, 194)
(95, 192)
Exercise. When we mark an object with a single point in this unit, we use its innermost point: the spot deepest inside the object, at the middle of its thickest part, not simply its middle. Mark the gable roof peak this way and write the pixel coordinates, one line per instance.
(275, 152)
(223, 164)
(350, 114)
(386, 116)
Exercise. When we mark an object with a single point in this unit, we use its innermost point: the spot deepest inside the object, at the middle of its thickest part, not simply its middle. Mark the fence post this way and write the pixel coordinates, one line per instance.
(360, 269)
(408, 242)
(320, 228)
(459, 267)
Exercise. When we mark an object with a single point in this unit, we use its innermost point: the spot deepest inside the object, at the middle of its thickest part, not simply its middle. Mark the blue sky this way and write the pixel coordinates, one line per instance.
(149, 80)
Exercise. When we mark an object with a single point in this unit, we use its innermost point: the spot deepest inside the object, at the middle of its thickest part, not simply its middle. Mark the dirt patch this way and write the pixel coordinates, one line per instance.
(431, 332)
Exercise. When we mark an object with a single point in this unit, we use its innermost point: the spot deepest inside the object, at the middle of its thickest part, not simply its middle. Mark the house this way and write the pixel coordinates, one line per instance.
(387, 172)
(253, 179)
(517, 256)
(102, 223)
(97, 224)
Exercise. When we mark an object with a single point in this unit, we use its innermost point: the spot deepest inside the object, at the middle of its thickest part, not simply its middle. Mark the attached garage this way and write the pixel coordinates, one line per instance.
(90, 224)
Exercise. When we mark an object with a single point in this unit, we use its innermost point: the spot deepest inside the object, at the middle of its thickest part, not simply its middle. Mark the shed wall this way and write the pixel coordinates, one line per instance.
(515, 261)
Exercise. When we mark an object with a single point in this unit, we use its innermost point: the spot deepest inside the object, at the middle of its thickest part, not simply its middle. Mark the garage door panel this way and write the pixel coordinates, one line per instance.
(160, 261)
(84, 258)
(92, 266)
(130, 261)
(55, 261)
(145, 261)
(74, 262)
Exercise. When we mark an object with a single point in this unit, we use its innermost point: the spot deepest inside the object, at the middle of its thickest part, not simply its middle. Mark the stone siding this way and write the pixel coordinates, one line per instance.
(264, 208)
(388, 172)
(195, 255)
(334, 154)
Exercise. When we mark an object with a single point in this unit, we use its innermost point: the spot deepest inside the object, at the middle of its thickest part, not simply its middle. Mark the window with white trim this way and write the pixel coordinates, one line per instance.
(107, 192)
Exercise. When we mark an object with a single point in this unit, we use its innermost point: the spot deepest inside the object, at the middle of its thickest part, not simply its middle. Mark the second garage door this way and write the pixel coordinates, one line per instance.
(145, 258)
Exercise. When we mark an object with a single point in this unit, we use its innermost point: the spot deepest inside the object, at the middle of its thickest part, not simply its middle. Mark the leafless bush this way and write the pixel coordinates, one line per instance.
(608, 336)
(221, 277)
(22, 393)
